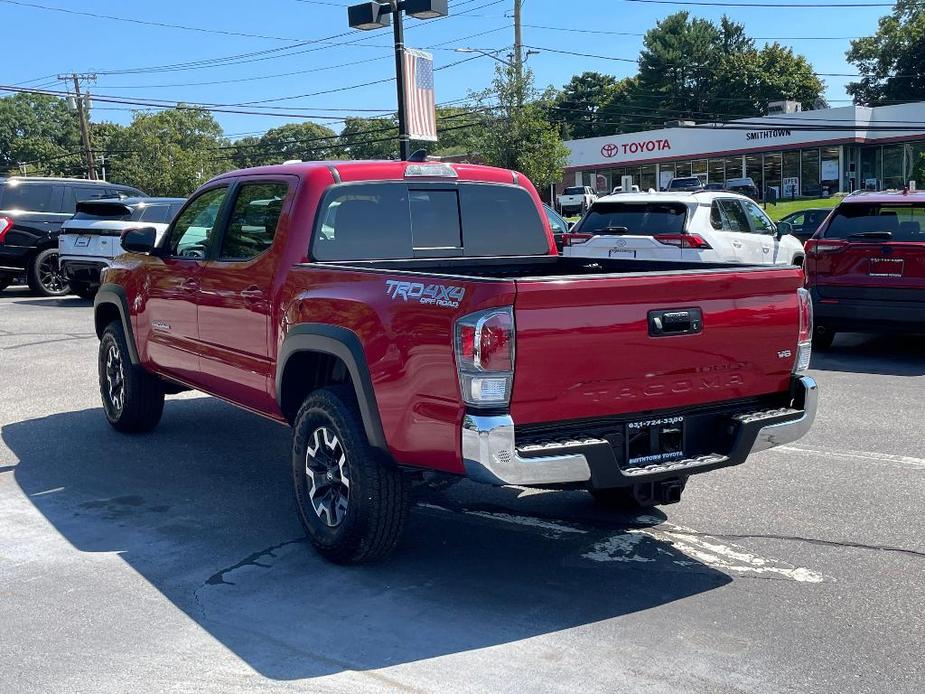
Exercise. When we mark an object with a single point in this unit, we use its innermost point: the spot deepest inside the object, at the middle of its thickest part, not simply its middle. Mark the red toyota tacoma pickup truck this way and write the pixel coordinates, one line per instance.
(411, 320)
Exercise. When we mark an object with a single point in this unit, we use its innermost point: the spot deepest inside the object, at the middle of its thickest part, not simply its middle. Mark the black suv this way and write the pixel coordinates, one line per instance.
(32, 211)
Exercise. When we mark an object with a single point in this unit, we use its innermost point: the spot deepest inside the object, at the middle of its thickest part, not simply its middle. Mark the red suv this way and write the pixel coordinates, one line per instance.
(865, 266)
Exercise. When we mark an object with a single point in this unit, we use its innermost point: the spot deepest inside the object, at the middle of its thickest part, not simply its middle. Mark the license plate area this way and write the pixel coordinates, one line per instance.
(621, 253)
(655, 441)
(886, 267)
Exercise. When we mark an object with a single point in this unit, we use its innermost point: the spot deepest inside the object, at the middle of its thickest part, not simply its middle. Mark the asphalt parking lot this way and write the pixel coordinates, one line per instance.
(174, 561)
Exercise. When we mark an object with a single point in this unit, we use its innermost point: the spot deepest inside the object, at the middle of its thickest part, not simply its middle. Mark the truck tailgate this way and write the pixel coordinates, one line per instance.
(585, 350)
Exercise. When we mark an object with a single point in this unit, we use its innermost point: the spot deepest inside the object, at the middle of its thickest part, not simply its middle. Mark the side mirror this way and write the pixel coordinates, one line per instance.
(140, 240)
(784, 228)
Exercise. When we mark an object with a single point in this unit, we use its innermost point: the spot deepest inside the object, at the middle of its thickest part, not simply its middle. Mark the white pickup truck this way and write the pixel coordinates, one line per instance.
(576, 199)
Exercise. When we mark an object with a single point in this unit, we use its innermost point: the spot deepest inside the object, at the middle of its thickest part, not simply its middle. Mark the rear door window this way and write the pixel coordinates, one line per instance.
(156, 214)
(637, 218)
(865, 222)
(380, 221)
(29, 196)
(734, 217)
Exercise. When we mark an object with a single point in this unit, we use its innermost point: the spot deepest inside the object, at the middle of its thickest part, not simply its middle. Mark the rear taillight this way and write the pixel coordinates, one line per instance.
(683, 240)
(805, 336)
(485, 356)
(5, 225)
(571, 239)
(817, 246)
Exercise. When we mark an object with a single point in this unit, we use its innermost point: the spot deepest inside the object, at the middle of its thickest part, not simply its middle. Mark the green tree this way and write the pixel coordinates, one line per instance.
(370, 138)
(892, 61)
(579, 103)
(516, 132)
(42, 133)
(168, 153)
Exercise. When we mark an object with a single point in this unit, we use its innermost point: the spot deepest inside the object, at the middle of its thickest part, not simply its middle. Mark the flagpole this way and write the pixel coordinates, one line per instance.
(404, 142)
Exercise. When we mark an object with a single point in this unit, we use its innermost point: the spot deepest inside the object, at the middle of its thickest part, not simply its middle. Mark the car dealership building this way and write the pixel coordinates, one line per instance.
(806, 153)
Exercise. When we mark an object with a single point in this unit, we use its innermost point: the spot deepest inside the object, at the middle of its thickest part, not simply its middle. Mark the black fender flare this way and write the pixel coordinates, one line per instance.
(345, 345)
(114, 294)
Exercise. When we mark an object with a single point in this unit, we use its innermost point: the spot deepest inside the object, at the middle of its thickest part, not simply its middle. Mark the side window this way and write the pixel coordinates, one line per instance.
(253, 221)
(157, 214)
(717, 218)
(760, 222)
(734, 216)
(28, 196)
(797, 221)
(192, 232)
(556, 223)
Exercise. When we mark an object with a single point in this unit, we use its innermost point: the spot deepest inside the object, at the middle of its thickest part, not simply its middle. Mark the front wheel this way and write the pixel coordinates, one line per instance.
(351, 502)
(44, 275)
(133, 399)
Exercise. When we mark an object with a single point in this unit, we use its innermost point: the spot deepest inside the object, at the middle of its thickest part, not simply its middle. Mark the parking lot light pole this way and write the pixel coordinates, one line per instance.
(376, 15)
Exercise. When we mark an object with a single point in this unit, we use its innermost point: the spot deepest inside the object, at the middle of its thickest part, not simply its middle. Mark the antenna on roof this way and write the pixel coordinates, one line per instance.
(418, 155)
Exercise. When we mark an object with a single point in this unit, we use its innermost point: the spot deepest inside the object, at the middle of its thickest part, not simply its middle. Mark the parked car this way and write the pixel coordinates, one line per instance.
(376, 307)
(619, 189)
(865, 266)
(576, 199)
(91, 238)
(558, 225)
(701, 227)
(805, 222)
(744, 186)
(714, 186)
(685, 183)
(32, 211)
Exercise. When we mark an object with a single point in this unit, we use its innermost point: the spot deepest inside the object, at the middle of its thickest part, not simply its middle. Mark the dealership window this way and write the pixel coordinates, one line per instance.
(699, 168)
(733, 167)
(828, 169)
(716, 171)
(772, 171)
(665, 173)
(809, 173)
(682, 168)
(893, 167)
(753, 171)
(647, 177)
(870, 171)
(790, 169)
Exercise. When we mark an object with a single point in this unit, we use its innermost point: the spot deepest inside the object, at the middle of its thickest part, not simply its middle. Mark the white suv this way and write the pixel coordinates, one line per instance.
(700, 226)
(92, 237)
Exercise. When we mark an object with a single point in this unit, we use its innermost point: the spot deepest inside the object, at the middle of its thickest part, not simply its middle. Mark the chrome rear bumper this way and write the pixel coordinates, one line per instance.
(491, 456)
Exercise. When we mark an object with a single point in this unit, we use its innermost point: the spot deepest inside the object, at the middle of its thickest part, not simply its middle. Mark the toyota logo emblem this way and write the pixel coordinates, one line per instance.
(609, 150)
(620, 243)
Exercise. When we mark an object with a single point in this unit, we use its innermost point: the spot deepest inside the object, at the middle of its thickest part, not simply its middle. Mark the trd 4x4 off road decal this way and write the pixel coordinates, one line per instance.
(448, 296)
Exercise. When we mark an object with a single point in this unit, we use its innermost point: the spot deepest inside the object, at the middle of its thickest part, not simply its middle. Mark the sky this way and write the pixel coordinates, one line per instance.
(290, 50)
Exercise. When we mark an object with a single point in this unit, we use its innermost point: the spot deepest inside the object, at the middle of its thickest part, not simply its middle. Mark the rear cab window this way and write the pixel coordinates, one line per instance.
(383, 221)
(874, 221)
(634, 218)
(574, 190)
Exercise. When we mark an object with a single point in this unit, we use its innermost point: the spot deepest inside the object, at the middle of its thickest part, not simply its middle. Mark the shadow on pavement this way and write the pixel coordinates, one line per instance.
(886, 355)
(56, 302)
(202, 509)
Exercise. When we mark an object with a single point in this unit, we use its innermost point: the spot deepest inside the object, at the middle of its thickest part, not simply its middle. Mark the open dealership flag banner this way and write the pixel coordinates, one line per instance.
(420, 104)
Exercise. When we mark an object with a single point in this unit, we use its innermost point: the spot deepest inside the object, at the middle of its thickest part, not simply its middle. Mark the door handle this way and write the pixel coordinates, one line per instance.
(737, 244)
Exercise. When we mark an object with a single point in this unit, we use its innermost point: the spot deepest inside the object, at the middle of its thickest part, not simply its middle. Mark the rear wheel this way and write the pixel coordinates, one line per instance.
(822, 337)
(351, 502)
(44, 275)
(133, 399)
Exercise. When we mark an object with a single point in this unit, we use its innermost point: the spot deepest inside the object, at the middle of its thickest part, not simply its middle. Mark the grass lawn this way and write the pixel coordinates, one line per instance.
(782, 209)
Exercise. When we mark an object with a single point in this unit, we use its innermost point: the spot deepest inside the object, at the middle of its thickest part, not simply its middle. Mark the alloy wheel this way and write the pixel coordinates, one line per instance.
(49, 275)
(326, 475)
(115, 379)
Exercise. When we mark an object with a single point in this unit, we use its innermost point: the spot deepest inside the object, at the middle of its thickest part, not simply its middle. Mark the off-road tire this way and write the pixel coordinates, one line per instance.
(378, 493)
(142, 395)
(42, 279)
(822, 338)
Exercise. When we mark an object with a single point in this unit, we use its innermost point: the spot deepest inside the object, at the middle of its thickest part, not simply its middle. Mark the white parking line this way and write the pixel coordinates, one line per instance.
(903, 460)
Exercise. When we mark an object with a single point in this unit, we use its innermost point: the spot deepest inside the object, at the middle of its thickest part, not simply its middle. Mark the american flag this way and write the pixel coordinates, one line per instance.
(419, 95)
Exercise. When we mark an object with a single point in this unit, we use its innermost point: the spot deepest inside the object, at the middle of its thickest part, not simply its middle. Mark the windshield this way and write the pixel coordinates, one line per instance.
(640, 218)
(684, 183)
(902, 222)
(575, 190)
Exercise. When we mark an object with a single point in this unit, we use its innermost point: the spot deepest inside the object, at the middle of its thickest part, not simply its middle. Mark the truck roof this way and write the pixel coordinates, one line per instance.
(385, 170)
(885, 196)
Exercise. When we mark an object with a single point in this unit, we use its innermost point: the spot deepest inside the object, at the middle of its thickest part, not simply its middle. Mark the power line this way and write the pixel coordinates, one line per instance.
(640, 33)
(796, 5)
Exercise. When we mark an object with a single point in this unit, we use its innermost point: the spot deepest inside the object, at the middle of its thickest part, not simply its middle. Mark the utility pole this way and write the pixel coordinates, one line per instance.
(82, 119)
(398, 32)
(518, 41)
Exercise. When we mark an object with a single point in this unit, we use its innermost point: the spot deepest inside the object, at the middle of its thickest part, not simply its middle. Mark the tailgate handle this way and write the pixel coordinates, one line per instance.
(685, 321)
